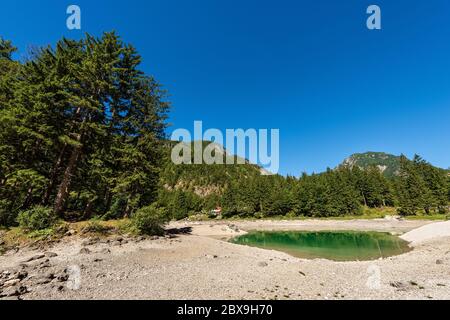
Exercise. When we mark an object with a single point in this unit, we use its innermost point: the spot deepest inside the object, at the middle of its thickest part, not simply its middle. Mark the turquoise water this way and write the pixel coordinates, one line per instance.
(338, 246)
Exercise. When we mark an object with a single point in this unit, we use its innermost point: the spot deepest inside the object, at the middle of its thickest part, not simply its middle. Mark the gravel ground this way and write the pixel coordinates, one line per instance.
(428, 232)
(199, 264)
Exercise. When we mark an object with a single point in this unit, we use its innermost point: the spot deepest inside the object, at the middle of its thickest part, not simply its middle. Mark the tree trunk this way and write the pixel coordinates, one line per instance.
(127, 212)
(13, 195)
(53, 176)
(128, 209)
(88, 210)
(108, 199)
(64, 188)
(365, 201)
(28, 198)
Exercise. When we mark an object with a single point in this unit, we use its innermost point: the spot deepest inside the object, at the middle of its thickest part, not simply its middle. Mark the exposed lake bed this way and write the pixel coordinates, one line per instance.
(201, 263)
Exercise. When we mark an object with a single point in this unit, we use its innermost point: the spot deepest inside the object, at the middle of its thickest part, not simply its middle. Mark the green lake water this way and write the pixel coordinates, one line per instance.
(338, 246)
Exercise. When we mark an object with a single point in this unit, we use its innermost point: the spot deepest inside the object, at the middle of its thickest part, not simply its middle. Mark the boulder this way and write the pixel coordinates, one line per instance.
(45, 264)
(234, 228)
(90, 242)
(11, 283)
(14, 291)
(118, 238)
(262, 264)
(47, 278)
(50, 254)
(399, 285)
(9, 292)
(22, 274)
(70, 233)
(36, 257)
(85, 251)
(63, 277)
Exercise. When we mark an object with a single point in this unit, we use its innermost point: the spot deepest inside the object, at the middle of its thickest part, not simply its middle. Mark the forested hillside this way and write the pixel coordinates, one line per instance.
(82, 135)
(418, 188)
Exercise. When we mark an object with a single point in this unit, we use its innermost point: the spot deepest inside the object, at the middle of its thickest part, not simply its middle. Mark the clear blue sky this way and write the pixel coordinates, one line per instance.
(310, 68)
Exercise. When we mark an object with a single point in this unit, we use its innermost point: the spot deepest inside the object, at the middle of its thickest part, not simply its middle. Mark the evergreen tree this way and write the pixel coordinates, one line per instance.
(435, 199)
(80, 127)
(411, 189)
(6, 49)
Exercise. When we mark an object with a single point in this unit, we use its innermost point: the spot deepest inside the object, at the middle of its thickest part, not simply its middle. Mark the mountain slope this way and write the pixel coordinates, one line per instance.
(387, 163)
(204, 179)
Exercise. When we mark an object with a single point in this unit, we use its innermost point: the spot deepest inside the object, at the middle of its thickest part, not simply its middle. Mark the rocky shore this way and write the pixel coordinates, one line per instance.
(194, 261)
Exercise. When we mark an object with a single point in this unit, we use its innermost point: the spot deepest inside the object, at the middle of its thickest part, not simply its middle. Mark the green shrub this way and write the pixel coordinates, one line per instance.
(3, 216)
(259, 215)
(126, 226)
(6, 217)
(37, 218)
(41, 234)
(95, 226)
(150, 220)
(117, 209)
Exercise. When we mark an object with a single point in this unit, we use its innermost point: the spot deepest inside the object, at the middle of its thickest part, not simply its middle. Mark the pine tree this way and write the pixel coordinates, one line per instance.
(6, 49)
(435, 199)
(81, 127)
(411, 189)
(23, 137)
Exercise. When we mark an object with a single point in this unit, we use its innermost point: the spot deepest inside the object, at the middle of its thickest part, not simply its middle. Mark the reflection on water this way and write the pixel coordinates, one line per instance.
(338, 246)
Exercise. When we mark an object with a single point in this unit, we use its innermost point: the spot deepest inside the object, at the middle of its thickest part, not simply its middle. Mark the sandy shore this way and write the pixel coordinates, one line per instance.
(427, 233)
(200, 264)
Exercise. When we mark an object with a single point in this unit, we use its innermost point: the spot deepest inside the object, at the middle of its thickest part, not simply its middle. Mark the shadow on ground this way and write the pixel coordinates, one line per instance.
(179, 231)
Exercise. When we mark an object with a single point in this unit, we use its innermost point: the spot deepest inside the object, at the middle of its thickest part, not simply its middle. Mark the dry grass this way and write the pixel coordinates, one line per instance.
(17, 237)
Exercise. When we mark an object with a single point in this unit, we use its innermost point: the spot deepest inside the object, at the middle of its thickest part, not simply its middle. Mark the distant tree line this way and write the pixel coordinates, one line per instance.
(418, 188)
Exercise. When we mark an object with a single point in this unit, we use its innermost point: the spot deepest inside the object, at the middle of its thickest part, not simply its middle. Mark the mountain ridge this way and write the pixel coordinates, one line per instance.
(388, 164)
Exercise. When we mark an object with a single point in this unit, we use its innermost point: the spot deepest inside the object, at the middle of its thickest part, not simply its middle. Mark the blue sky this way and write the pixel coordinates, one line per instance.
(310, 68)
